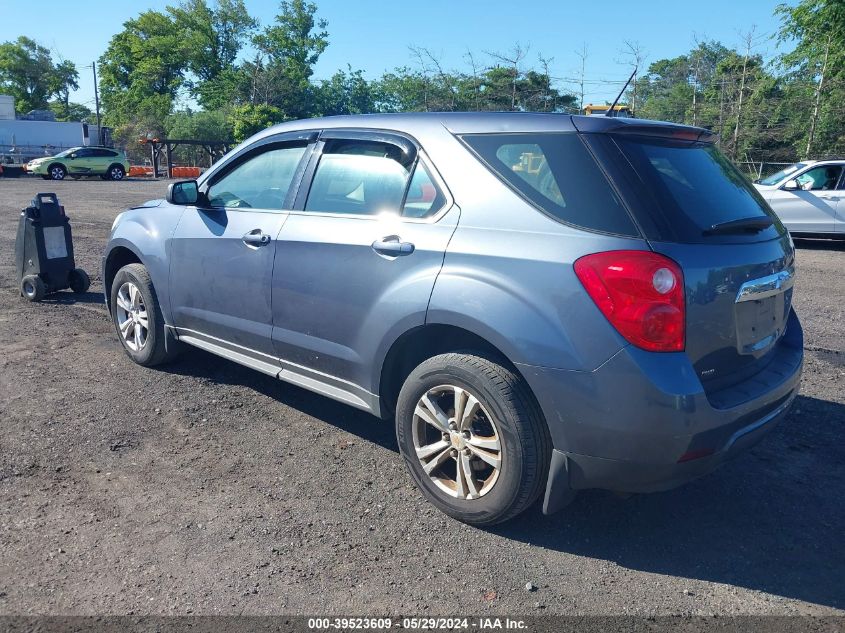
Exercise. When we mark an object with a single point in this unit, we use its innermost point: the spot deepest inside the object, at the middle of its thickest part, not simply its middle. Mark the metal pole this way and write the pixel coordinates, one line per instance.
(97, 102)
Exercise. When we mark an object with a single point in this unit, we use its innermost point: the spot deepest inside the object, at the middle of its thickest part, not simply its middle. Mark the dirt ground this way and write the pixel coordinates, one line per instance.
(204, 487)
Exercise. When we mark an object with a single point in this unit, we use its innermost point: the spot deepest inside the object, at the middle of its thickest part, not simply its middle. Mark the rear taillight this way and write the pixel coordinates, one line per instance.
(642, 295)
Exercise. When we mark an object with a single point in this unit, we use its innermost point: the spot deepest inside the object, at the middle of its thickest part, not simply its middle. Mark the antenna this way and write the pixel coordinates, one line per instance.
(621, 92)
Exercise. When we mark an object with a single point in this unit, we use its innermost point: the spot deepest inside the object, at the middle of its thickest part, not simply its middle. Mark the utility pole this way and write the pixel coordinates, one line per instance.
(97, 104)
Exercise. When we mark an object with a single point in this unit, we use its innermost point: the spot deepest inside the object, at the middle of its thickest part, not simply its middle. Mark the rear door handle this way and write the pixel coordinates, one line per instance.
(393, 247)
(256, 237)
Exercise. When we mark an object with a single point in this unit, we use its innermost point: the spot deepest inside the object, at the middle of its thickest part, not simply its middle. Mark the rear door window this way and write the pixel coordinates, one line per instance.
(558, 175)
(695, 187)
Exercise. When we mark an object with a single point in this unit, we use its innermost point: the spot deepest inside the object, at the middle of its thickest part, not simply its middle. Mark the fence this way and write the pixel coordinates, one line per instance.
(760, 169)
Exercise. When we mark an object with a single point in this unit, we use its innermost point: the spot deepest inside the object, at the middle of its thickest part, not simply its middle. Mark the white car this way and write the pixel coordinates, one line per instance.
(809, 197)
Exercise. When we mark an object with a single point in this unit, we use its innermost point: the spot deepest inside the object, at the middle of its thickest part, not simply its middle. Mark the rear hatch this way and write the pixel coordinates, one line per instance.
(695, 207)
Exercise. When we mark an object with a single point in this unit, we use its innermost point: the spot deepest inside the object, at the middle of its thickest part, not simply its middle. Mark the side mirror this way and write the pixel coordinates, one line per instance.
(72, 156)
(791, 185)
(183, 193)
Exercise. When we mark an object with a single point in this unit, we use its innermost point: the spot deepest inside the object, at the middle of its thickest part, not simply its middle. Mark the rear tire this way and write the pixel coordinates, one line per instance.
(79, 281)
(33, 288)
(115, 172)
(506, 423)
(137, 317)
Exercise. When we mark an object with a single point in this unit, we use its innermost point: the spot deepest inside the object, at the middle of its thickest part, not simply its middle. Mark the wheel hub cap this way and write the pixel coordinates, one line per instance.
(457, 442)
(132, 319)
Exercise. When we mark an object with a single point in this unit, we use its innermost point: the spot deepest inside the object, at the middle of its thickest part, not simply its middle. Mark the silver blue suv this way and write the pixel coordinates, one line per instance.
(543, 303)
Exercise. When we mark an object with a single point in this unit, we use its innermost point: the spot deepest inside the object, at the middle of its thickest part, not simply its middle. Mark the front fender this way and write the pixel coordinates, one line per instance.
(146, 232)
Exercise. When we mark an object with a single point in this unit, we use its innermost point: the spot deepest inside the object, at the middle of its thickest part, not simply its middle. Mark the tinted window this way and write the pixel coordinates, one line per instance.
(424, 198)
(558, 174)
(696, 187)
(84, 153)
(104, 153)
(360, 178)
(823, 178)
(261, 182)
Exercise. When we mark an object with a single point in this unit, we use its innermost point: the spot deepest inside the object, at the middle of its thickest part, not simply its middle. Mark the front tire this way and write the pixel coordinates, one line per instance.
(57, 172)
(473, 438)
(137, 317)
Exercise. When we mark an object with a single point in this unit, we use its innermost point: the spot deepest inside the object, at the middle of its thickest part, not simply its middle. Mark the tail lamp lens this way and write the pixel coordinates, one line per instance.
(642, 295)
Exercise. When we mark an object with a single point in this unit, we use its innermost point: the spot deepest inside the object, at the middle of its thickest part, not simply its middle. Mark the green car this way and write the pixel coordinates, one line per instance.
(105, 162)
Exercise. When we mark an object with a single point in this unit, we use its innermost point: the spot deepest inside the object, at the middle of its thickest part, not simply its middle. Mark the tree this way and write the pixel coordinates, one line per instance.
(71, 111)
(216, 36)
(815, 70)
(27, 72)
(292, 45)
(143, 69)
(249, 119)
(345, 93)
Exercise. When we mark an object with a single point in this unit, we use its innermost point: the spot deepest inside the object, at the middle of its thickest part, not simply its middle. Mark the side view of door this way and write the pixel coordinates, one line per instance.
(223, 250)
(808, 202)
(357, 259)
(82, 162)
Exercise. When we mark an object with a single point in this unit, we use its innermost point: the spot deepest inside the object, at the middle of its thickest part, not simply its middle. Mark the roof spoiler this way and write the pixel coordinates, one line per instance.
(640, 127)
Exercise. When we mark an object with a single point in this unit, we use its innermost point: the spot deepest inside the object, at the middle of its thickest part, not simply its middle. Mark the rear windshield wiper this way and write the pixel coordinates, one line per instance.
(742, 225)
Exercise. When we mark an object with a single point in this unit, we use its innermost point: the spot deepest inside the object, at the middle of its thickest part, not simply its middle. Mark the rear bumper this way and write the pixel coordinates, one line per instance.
(642, 422)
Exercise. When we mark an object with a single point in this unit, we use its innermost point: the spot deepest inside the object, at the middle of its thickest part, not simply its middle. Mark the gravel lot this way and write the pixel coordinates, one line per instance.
(205, 487)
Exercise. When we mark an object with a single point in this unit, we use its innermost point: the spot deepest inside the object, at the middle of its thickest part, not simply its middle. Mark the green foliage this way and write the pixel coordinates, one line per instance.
(345, 93)
(71, 111)
(143, 69)
(250, 118)
(215, 36)
(193, 50)
(27, 72)
(292, 45)
(213, 125)
(815, 73)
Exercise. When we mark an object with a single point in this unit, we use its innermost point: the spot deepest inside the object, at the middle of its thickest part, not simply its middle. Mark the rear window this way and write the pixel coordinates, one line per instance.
(695, 185)
(558, 175)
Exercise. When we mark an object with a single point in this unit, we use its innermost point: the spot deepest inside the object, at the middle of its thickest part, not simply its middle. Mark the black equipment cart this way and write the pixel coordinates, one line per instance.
(44, 250)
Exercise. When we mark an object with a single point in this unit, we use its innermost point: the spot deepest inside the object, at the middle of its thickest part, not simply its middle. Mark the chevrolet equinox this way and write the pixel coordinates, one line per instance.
(543, 303)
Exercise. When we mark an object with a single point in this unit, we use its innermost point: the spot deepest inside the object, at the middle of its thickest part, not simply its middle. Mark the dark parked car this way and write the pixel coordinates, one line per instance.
(543, 303)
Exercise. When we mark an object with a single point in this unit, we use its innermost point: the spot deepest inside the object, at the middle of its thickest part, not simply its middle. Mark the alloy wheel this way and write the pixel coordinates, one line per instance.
(457, 442)
(132, 320)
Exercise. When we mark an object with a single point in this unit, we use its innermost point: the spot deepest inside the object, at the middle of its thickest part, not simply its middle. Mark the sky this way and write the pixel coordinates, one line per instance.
(375, 35)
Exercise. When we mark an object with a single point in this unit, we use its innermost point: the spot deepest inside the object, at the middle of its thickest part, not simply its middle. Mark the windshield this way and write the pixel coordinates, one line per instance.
(695, 187)
(783, 173)
(68, 152)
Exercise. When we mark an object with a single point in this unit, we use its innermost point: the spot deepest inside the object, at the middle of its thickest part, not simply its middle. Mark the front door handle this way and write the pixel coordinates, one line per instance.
(392, 246)
(256, 237)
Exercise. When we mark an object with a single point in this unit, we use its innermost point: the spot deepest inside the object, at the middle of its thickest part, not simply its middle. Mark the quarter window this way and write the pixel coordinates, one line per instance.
(556, 173)
(424, 198)
(261, 182)
(358, 178)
